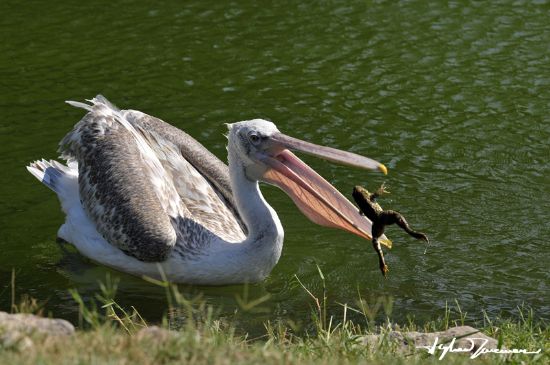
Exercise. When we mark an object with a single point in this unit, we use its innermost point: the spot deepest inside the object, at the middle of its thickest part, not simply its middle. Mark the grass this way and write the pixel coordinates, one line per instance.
(110, 334)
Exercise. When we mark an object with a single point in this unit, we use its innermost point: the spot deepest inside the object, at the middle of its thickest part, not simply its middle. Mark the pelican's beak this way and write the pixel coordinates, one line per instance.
(313, 195)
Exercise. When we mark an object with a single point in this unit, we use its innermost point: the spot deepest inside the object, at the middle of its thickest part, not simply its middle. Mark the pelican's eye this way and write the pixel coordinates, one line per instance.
(254, 138)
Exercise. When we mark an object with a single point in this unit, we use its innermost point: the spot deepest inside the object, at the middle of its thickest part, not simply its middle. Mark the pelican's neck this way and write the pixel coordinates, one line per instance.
(264, 226)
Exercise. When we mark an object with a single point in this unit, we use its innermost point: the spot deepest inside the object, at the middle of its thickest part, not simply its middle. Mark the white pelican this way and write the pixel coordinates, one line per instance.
(139, 193)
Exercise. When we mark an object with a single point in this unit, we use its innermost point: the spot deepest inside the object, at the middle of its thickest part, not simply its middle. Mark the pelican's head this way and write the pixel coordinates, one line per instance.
(248, 139)
(265, 156)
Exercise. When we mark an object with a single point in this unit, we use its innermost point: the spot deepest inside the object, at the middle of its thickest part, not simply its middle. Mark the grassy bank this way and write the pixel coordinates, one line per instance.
(193, 332)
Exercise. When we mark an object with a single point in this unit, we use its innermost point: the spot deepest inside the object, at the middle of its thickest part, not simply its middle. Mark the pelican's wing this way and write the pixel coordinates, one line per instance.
(128, 185)
(210, 174)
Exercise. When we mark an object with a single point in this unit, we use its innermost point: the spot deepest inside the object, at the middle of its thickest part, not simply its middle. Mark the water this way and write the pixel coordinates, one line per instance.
(453, 97)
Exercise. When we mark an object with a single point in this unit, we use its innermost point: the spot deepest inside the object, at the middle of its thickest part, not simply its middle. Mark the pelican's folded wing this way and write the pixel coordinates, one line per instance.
(143, 195)
(205, 162)
(120, 183)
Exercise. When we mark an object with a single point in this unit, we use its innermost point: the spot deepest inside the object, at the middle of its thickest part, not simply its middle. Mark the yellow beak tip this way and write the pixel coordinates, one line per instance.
(383, 168)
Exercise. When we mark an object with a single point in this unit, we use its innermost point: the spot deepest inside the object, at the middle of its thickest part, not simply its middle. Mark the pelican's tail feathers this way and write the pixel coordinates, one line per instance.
(50, 173)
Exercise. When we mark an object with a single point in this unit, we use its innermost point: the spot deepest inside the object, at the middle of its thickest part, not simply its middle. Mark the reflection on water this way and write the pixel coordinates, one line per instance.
(453, 98)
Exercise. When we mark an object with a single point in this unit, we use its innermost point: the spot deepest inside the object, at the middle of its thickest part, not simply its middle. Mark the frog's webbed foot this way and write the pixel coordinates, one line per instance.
(379, 192)
(382, 190)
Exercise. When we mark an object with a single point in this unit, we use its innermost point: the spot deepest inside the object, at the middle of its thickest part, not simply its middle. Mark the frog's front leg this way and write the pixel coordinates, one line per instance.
(379, 192)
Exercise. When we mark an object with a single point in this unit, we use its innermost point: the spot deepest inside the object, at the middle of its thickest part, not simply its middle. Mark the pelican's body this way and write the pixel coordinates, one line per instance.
(140, 195)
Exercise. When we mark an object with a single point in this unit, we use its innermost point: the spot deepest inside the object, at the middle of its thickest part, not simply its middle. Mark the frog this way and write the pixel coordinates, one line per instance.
(380, 219)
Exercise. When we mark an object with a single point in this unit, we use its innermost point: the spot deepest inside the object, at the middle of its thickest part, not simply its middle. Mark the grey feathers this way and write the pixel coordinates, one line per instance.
(148, 186)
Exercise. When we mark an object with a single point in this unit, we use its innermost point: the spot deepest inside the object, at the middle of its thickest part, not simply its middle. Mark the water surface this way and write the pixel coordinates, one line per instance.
(453, 97)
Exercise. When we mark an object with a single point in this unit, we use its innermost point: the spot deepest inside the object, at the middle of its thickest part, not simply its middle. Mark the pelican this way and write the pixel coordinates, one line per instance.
(143, 197)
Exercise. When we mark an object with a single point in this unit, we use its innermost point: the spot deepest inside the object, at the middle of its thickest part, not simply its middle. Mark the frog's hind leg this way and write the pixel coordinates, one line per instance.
(377, 231)
(391, 217)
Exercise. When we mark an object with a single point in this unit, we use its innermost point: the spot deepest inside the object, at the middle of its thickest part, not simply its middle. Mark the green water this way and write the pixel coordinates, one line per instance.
(454, 97)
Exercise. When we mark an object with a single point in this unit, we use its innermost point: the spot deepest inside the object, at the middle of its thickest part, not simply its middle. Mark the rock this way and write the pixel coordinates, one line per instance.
(154, 332)
(466, 334)
(470, 338)
(15, 340)
(27, 324)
